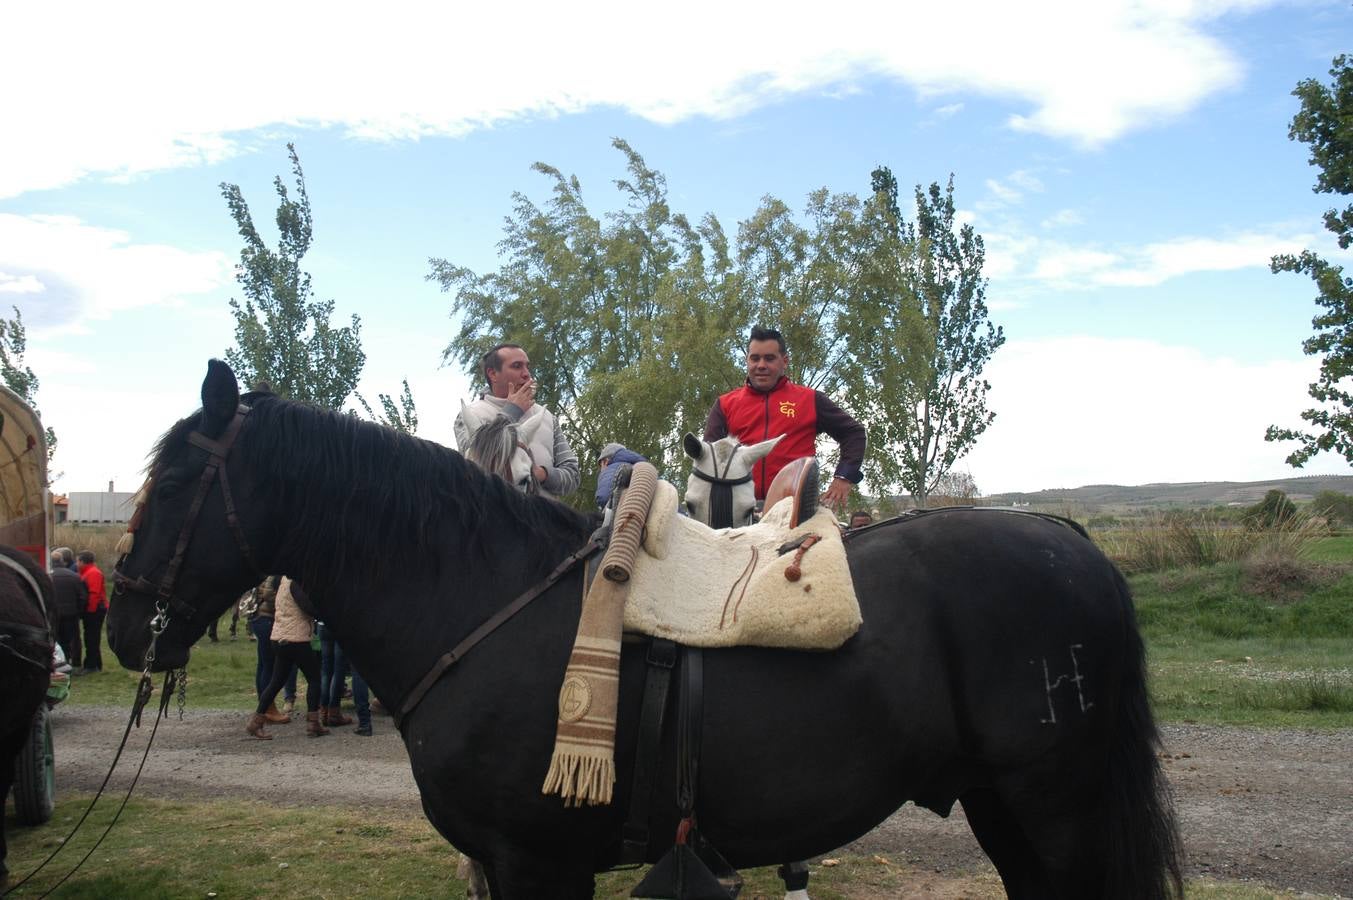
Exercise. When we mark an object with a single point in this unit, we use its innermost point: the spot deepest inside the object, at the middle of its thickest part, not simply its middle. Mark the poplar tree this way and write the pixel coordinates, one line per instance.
(282, 333)
(922, 336)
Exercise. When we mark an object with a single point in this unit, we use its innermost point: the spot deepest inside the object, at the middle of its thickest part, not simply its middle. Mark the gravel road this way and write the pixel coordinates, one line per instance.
(1273, 807)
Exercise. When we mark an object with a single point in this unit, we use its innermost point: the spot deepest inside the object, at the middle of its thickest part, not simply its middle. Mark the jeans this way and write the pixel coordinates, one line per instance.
(333, 669)
(261, 626)
(361, 698)
(93, 622)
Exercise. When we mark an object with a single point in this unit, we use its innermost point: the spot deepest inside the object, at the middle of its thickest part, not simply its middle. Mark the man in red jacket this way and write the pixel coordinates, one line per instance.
(769, 404)
(94, 612)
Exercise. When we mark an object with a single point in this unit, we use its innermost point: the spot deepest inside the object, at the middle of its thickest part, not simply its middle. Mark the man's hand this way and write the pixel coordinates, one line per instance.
(836, 495)
(523, 396)
(540, 473)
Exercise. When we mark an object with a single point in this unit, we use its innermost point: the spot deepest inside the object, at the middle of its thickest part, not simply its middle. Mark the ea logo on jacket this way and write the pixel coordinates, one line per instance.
(787, 408)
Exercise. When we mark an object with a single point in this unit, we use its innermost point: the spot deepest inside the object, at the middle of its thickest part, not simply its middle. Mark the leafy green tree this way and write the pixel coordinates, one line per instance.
(18, 377)
(636, 321)
(1274, 509)
(401, 417)
(630, 321)
(922, 333)
(282, 334)
(1325, 122)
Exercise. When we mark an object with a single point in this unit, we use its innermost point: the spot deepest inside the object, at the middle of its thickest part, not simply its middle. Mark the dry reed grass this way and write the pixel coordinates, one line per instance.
(1159, 543)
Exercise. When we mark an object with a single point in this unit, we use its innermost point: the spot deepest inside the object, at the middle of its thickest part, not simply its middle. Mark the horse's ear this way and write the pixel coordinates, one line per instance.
(527, 428)
(694, 447)
(220, 398)
(756, 451)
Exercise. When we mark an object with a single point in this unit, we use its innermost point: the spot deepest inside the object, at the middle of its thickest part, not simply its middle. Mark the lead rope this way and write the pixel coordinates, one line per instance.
(177, 678)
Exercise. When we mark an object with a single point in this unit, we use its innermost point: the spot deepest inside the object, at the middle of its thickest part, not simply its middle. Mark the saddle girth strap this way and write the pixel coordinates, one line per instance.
(662, 655)
(490, 625)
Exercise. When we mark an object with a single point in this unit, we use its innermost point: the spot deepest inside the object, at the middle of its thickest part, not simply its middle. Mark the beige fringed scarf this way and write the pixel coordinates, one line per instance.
(582, 768)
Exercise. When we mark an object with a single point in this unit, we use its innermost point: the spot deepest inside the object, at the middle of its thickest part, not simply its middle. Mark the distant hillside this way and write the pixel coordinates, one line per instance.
(1200, 493)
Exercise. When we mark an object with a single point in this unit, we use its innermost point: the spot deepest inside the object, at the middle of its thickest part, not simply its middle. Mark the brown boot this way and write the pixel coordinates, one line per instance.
(276, 716)
(255, 727)
(313, 728)
(333, 716)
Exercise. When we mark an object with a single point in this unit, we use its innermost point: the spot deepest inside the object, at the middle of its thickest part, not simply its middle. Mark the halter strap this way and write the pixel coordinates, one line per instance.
(217, 451)
(721, 477)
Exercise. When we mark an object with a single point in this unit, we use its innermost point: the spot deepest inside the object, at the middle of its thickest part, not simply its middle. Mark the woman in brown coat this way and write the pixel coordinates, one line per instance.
(292, 630)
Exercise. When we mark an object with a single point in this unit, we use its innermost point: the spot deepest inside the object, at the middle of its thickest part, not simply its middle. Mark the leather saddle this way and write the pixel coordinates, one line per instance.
(798, 480)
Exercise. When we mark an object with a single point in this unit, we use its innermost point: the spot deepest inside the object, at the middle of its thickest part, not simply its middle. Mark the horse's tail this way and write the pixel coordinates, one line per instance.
(1144, 849)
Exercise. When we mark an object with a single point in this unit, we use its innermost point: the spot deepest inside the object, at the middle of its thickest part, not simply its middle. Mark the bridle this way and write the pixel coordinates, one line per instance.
(721, 489)
(217, 451)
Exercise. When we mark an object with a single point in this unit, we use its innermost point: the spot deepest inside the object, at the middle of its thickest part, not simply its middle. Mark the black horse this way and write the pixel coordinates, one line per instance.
(25, 663)
(999, 663)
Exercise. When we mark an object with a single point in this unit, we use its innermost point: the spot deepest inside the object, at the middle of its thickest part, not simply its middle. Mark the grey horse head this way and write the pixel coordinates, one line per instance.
(720, 492)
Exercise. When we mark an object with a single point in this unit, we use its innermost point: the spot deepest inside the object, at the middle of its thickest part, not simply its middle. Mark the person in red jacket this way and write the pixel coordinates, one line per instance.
(94, 612)
(769, 404)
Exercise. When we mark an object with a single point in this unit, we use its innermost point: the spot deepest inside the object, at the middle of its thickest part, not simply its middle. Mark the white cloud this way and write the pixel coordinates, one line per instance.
(1063, 218)
(166, 85)
(1085, 410)
(1003, 193)
(949, 110)
(69, 270)
(1061, 266)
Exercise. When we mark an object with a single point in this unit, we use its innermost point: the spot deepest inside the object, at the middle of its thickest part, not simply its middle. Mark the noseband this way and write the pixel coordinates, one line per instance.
(217, 451)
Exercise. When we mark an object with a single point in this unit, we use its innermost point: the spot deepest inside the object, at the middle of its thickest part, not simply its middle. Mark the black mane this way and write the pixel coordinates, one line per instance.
(366, 500)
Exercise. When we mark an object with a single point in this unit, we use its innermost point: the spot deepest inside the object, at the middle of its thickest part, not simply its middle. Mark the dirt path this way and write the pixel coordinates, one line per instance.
(1274, 807)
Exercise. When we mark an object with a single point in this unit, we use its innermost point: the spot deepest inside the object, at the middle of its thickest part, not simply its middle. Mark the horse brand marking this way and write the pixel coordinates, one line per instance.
(575, 699)
(1050, 684)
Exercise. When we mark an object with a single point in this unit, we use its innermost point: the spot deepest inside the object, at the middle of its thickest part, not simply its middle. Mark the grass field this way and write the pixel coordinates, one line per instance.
(163, 850)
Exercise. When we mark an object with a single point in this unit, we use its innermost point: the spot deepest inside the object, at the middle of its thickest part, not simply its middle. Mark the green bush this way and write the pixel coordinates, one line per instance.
(1274, 509)
(1337, 508)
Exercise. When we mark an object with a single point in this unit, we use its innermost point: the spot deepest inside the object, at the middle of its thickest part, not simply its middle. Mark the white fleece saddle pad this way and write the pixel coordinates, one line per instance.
(726, 588)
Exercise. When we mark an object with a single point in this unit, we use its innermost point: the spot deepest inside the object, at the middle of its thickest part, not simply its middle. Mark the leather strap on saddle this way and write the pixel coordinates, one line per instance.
(798, 480)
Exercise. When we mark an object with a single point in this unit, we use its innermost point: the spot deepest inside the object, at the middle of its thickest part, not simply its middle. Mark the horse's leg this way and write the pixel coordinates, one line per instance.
(518, 876)
(1047, 845)
(6, 779)
(476, 884)
(1005, 844)
(795, 877)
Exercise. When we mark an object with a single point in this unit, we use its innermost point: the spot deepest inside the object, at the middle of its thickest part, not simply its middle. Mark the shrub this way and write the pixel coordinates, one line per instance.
(1274, 509)
(1334, 506)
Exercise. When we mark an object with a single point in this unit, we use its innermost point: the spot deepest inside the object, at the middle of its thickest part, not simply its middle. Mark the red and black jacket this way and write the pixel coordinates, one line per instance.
(800, 413)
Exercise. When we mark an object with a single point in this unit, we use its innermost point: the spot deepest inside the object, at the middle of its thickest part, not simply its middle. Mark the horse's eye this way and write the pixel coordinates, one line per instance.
(167, 488)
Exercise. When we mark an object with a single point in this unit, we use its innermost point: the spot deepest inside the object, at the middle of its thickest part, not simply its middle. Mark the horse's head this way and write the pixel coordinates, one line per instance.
(188, 553)
(720, 492)
(502, 448)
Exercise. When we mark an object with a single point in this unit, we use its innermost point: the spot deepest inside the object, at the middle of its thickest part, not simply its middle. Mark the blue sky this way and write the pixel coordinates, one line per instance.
(1127, 164)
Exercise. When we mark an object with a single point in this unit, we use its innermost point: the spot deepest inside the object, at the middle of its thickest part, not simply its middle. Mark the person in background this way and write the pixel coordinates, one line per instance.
(333, 672)
(260, 621)
(71, 599)
(859, 519)
(512, 394)
(96, 609)
(292, 631)
(769, 404)
(612, 457)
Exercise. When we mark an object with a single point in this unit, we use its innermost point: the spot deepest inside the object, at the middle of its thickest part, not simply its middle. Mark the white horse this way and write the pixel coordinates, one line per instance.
(720, 492)
(503, 447)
